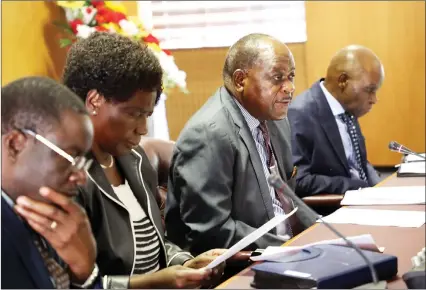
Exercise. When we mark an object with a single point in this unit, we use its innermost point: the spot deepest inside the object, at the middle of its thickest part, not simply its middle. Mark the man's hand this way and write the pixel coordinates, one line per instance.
(206, 258)
(64, 224)
(171, 277)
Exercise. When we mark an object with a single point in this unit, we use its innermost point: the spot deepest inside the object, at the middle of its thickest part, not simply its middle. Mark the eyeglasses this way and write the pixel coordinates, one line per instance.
(78, 163)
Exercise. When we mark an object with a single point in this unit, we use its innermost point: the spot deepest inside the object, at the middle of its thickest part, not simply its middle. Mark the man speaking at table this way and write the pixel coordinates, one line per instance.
(218, 190)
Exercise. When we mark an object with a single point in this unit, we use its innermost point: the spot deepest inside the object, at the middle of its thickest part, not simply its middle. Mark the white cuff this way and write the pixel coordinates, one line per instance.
(89, 280)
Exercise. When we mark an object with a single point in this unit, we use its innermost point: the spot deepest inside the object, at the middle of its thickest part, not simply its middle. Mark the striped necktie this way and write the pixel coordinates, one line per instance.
(58, 274)
(286, 204)
(348, 119)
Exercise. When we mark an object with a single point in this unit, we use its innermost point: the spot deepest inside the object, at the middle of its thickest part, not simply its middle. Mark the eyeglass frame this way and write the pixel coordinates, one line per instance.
(75, 161)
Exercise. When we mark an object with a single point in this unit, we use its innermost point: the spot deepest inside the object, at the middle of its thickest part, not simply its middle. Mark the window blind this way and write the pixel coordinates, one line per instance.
(196, 24)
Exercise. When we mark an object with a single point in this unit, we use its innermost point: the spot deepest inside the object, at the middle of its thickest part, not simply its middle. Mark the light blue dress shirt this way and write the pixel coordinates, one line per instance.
(253, 125)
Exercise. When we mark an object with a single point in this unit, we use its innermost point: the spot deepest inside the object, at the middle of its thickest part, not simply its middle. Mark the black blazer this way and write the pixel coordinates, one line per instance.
(318, 150)
(22, 265)
(110, 219)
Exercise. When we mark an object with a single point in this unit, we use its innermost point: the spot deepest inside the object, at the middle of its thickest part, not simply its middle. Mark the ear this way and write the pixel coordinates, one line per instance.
(343, 81)
(13, 144)
(239, 79)
(94, 101)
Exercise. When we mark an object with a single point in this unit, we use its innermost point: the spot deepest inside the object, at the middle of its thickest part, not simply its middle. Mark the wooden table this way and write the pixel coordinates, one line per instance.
(401, 242)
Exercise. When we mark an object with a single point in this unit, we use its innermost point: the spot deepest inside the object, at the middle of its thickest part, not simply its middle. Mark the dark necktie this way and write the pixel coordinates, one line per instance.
(284, 201)
(58, 273)
(348, 119)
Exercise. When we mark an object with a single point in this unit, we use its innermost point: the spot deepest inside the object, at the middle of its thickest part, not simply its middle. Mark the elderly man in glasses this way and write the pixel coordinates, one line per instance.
(47, 240)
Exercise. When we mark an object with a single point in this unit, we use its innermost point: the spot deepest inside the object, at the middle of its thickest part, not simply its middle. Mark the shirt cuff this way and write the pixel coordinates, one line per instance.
(91, 280)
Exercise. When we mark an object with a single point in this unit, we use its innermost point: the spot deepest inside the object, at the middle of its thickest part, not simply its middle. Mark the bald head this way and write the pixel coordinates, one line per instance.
(354, 75)
(250, 50)
(354, 60)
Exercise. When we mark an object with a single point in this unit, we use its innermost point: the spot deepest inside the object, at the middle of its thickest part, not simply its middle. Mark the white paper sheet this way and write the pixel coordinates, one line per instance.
(413, 167)
(376, 217)
(276, 254)
(385, 195)
(246, 241)
(411, 158)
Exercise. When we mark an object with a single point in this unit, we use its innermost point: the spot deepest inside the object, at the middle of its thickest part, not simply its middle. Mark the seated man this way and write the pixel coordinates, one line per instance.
(218, 189)
(328, 146)
(46, 238)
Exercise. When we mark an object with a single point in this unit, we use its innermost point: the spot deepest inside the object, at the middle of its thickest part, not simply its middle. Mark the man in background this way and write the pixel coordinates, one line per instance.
(218, 189)
(328, 146)
(46, 239)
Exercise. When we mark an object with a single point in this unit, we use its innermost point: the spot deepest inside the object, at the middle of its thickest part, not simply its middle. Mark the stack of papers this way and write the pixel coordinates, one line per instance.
(414, 167)
(413, 158)
(377, 217)
(385, 195)
(278, 254)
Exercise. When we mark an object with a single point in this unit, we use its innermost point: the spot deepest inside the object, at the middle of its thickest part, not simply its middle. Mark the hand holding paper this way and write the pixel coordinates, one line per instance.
(250, 238)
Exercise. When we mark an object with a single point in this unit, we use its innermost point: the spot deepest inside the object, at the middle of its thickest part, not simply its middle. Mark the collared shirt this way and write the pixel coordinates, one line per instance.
(337, 109)
(7, 199)
(253, 125)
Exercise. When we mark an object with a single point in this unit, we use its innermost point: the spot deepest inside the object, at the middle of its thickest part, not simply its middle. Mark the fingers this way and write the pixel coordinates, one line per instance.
(194, 275)
(55, 224)
(39, 212)
(42, 230)
(62, 200)
(216, 252)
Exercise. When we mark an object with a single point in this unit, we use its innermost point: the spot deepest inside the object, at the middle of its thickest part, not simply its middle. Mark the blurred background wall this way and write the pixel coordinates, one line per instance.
(395, 30)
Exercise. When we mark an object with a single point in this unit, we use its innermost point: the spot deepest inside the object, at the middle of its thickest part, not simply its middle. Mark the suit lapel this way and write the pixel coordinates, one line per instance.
(248, 141)
(131, 164)
(24, 245)
(329, 125)
(97, 175)
(276, 147)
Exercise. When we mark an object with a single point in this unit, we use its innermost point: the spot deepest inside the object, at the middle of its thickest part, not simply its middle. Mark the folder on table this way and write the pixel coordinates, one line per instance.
(324, 267)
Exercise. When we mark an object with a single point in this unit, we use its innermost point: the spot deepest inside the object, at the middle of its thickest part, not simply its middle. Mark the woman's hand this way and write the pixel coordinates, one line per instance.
(206, 258)
(171, 277)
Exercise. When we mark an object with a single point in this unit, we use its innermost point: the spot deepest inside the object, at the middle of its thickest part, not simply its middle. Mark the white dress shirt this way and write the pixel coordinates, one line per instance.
(337, 109)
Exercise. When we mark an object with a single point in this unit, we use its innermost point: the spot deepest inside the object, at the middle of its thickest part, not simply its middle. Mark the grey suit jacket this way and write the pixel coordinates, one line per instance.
(217, 192)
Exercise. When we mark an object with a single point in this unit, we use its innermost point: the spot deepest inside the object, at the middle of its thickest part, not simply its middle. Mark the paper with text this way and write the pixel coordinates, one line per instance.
(385, 195)
(252, 237)
(377, 217)
(277, 254)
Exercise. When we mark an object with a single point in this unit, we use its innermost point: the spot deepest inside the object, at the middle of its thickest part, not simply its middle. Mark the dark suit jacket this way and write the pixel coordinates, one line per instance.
(217, 192)
(22, 264)
(110, 220)
(318, 150)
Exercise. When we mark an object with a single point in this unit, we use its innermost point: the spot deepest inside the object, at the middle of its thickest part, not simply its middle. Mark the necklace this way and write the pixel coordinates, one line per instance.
(110, 165)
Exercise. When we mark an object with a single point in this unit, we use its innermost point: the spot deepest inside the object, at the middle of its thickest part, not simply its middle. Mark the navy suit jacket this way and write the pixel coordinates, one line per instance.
(318, 150)
(22, 265)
